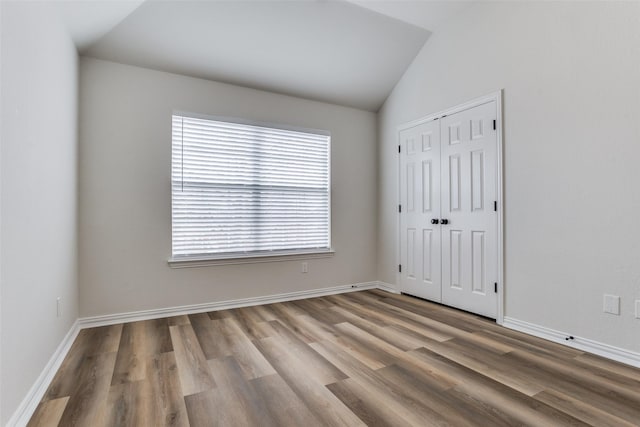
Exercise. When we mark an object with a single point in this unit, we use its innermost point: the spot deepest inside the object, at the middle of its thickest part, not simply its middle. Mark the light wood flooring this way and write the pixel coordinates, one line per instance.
(362, 358)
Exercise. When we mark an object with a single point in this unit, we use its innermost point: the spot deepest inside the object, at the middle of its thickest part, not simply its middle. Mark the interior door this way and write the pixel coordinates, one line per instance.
(468, 193)
(420, 205)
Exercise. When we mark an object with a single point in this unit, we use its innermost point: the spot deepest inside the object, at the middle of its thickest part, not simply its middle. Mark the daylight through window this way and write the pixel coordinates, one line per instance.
(240, 189)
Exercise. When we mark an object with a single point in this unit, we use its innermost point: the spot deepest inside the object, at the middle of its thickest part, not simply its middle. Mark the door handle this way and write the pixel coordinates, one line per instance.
(434, 221)
(444, 221)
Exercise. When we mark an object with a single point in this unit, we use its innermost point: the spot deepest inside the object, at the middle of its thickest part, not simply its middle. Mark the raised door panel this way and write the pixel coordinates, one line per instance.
(427, 186)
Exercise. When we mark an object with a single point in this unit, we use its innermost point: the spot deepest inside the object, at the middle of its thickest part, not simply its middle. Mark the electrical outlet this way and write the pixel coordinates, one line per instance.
(58, 311)
(638, 309)
(305, 267)
(612, 304)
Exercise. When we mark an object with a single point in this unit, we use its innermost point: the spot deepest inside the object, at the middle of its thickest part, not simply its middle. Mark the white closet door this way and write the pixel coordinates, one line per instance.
(420, 203)
(469, 189)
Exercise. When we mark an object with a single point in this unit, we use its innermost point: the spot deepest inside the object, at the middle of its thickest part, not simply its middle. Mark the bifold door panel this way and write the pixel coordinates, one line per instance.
(448, 222)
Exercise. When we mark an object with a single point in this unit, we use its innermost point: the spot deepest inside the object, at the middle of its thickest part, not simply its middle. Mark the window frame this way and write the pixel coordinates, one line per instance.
(202, 260)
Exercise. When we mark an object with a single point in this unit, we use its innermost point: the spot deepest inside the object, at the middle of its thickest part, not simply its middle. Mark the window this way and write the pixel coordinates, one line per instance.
(244, 190)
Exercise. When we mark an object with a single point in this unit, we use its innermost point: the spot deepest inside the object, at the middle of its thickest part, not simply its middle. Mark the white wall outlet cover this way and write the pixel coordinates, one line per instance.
(612, 304)
(638, 309)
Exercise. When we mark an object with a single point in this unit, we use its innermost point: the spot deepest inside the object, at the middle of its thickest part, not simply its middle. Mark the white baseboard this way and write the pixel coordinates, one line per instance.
(134, 316)
(605, 350)
(29, 404)
(27, 407)
(387, 287)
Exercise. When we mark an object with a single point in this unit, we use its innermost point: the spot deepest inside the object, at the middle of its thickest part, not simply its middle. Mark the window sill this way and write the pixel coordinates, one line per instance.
(185, 262)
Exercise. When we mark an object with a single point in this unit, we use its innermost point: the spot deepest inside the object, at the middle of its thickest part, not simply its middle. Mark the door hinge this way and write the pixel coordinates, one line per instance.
(399, 268)
(400, 208)
(495, 287)
(495, 206)
(399, 149)
(494, 125)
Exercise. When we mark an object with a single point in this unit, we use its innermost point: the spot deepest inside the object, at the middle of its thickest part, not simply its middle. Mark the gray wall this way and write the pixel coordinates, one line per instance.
(572, 102)
(125, 198)
(38, 191)
(570, 73)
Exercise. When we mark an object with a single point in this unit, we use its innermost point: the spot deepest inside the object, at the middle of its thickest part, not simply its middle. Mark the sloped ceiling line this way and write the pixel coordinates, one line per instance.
(346, 53)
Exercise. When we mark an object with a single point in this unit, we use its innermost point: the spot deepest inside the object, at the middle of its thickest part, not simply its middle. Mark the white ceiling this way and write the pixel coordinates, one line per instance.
(428, 14)
(89, 20)
(347, 53)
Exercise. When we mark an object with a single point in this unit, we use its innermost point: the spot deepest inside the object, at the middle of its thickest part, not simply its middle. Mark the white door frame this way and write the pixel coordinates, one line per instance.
(497, 97)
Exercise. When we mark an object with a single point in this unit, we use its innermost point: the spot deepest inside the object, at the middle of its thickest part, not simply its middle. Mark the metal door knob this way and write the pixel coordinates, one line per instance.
(444, 221)
(434, 221)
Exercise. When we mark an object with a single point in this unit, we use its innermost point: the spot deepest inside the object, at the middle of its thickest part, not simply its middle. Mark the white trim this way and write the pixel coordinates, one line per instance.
(500, 199)
(27, 407)
(497, 97)
(387, 287)
(185, 262)
(398, 219)
(494, 96)
(134, 316)
(601, 349)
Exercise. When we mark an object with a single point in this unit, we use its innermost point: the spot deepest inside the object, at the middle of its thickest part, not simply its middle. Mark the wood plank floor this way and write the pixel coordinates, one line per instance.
(362, 358)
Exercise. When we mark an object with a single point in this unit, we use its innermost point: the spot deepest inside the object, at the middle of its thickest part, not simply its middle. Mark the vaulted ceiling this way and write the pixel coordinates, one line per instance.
(347, 53)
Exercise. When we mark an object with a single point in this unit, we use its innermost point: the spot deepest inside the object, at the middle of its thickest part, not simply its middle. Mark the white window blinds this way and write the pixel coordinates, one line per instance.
(241, 189)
